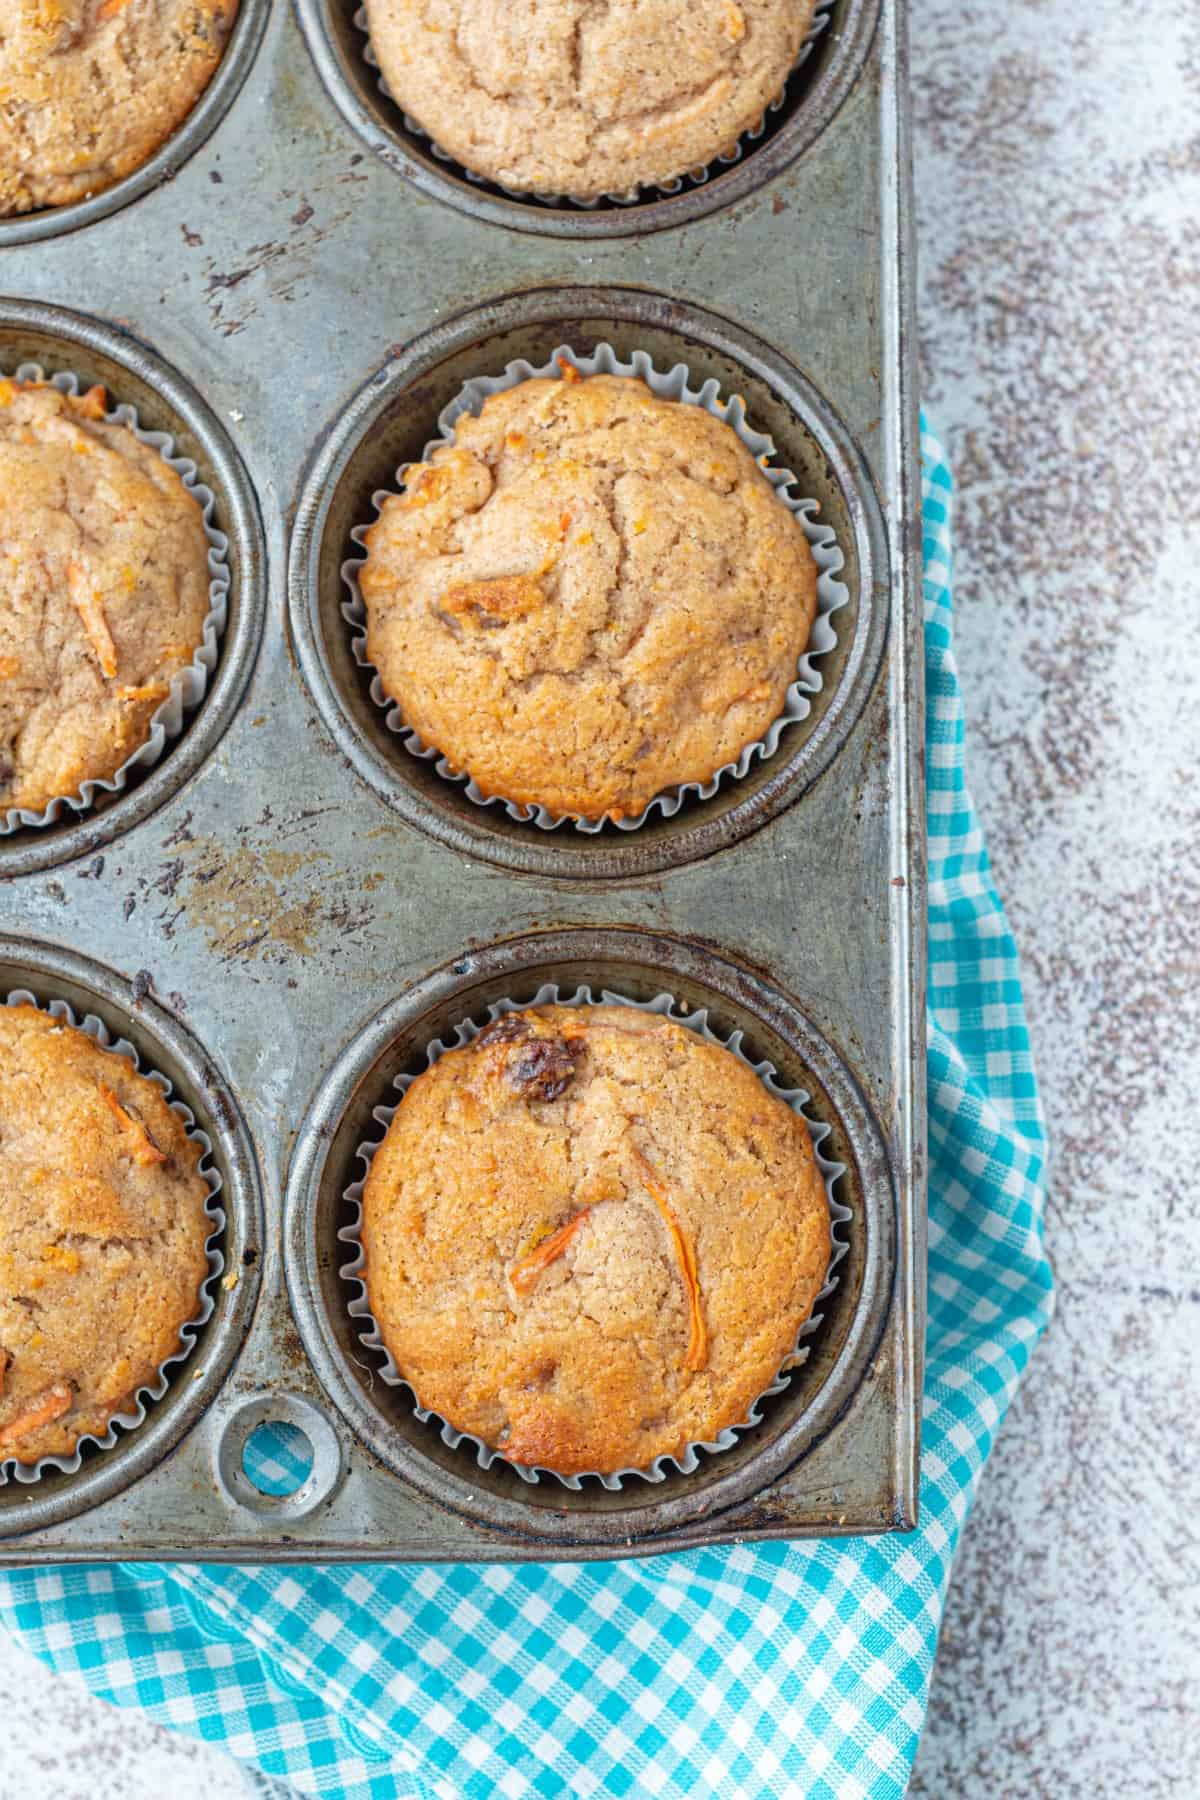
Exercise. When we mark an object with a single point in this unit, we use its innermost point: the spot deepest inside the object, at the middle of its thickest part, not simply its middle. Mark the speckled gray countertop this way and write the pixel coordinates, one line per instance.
(1058, 181)
(1058, 176)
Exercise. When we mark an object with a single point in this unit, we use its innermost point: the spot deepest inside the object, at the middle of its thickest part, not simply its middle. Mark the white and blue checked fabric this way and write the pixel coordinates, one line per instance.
(774, 1672)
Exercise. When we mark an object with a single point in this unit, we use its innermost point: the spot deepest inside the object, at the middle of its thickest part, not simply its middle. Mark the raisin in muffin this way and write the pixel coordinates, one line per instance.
(591, 1237)
(591, 595)
(102, 1243)
(105, 590)
(586, 100)
(89, 89)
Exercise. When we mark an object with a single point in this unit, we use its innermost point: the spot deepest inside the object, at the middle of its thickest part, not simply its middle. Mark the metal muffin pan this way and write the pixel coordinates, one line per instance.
(291, 891)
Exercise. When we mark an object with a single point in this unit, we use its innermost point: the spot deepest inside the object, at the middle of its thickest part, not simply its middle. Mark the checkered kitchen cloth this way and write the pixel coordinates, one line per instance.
(774, 1670)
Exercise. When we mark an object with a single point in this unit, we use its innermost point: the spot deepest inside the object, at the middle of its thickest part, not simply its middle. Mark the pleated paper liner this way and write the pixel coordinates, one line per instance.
(119, 1423)
(190, 685)
(693, 178)
(673, 384)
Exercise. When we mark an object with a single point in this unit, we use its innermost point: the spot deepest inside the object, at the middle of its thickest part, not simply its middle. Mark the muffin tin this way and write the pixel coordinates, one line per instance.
(296, 906)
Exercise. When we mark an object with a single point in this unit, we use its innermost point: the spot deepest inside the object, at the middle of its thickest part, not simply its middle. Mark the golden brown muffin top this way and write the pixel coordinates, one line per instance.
(583, 98)
(591, 595)
(104, 589)
(102, 1239)
(89, 89)
(592, 1237)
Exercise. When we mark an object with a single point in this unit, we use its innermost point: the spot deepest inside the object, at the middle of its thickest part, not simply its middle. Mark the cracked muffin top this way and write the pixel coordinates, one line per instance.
(104, 591)
(591, 595)
(586, 97)
(89, 89)
(102, 1244)
(592, 1237)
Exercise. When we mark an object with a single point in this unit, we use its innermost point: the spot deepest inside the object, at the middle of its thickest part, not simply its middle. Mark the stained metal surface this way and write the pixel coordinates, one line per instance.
(306, 900)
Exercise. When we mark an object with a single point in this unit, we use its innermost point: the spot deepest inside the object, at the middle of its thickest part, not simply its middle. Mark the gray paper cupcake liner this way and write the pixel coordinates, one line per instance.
(696, 177)
(371, 1338)
(673, 384)
(10, 1468)
(190, 685)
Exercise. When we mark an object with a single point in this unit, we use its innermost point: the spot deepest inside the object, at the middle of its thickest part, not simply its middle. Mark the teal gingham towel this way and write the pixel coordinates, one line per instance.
(766, 1671)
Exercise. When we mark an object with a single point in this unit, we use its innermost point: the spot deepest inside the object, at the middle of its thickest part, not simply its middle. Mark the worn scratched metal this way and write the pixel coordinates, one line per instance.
(291, 905)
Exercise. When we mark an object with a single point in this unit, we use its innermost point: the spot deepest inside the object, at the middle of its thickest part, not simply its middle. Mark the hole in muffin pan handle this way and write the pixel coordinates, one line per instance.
(247, 1416)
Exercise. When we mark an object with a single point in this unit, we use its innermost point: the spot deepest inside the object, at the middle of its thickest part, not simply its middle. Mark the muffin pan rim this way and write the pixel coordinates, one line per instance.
(841, 64)
(194, 1384)
(477, 831)
(34, 849)
(546, 1512)
(189, 136)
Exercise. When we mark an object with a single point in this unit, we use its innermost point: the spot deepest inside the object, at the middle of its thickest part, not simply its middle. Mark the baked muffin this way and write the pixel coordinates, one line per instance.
(592, 1237)
(102, 1241)
(89, 89)
(591, 595)
(104, 594)
(586, 100)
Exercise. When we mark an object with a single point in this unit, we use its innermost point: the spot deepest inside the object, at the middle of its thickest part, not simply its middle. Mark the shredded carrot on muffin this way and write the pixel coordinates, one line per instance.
(143, 1149)
(44, 1410)
(87, 604)
(526, 1270)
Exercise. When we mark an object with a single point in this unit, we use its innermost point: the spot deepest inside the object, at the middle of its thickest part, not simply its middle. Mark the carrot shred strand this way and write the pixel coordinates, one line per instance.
(143, 1149)
(41, 1411)
(526, 1269)
(697, 1350)
(88, 605)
